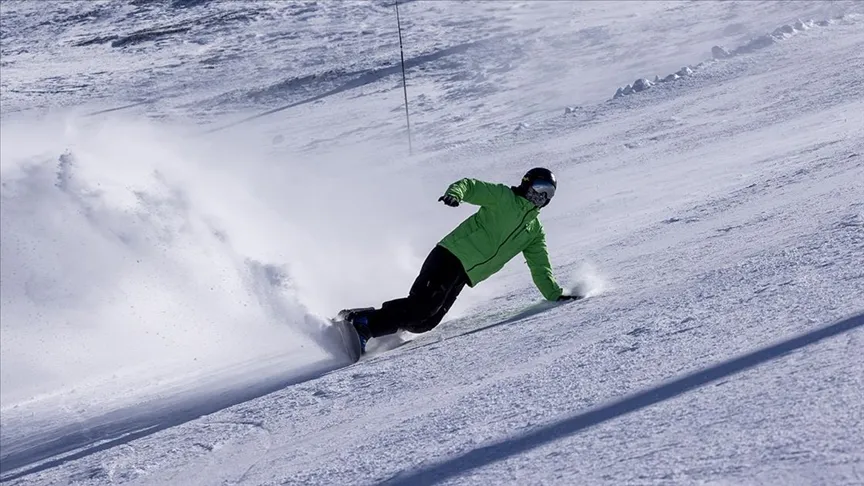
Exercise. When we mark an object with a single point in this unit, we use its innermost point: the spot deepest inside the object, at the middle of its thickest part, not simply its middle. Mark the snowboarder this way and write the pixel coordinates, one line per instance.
(505, 225)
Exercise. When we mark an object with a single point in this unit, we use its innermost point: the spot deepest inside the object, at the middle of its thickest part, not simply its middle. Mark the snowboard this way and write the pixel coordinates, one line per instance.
(350, 338)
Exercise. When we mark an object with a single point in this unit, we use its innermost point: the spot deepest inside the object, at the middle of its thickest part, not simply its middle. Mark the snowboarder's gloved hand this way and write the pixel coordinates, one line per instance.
(566, 297)
(449, 200)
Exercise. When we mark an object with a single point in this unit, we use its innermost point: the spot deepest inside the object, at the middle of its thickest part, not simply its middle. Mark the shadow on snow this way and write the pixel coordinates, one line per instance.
(130, 423)
(365, 78)
(125, 425)
(499, 451)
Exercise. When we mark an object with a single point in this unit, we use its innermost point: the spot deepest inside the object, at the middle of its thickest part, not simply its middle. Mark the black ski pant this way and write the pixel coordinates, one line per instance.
(441, 279)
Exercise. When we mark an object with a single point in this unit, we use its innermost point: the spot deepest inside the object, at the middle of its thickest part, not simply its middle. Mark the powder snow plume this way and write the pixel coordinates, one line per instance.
(130, 259)
(586, 280)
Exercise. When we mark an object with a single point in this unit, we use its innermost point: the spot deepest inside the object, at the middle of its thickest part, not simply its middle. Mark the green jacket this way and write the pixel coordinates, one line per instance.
(505, 225)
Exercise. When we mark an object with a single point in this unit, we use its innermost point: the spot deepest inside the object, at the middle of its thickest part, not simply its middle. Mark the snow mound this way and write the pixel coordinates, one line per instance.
(642, 85)
(719, 53)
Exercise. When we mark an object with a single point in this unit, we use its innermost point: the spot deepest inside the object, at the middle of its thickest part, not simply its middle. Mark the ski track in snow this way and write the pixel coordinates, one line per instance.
(713, 216)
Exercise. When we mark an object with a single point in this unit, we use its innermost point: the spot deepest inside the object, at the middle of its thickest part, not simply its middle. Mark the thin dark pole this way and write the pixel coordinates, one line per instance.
(404, 85)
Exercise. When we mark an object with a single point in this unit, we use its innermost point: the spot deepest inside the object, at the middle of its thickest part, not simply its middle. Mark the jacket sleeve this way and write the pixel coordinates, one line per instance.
(477, 192)
(537, 258)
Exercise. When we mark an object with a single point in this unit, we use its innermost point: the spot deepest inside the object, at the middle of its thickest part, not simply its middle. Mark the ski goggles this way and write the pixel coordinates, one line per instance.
(540, 193)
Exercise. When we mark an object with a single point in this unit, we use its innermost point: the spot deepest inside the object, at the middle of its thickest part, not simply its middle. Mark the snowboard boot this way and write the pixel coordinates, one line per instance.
(361, 325)
(358, 318)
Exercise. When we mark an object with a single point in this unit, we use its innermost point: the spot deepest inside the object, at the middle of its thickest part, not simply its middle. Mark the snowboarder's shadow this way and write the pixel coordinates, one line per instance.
(530, 311)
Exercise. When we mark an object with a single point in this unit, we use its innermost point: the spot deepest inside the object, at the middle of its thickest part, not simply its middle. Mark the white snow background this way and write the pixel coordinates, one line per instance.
(191, 187)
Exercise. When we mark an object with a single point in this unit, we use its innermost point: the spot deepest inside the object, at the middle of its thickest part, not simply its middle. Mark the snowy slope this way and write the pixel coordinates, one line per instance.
(163, 288)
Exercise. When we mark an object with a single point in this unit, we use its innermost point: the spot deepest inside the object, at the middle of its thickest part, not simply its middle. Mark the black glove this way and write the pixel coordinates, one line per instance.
(566, 297)
(449, 200)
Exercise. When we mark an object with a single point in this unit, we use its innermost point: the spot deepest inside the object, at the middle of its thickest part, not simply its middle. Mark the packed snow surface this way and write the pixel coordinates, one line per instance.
(190, 188)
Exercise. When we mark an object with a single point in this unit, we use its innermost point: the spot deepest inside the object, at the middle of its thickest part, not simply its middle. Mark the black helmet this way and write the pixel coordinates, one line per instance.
(538, 186)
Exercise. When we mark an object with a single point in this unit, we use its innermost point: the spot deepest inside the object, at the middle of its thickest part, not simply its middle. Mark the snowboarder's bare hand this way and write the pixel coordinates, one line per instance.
(449, 200)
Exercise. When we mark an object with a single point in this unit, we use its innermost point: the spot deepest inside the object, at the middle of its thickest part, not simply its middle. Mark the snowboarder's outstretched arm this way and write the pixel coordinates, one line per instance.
(537, 258)
(476, 192)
